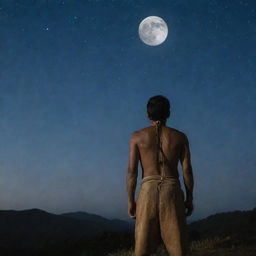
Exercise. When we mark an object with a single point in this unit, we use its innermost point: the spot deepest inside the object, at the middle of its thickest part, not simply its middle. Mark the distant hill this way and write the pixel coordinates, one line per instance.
(85, 216)
(113, 225)
(37, 232)
(236, 223)
(36, 228)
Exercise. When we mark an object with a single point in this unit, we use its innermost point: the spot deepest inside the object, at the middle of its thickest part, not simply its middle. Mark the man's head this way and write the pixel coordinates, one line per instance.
(158, 108)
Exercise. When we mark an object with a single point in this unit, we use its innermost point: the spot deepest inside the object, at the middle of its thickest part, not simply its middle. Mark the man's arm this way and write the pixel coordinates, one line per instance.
(187, 172)
(132, 174)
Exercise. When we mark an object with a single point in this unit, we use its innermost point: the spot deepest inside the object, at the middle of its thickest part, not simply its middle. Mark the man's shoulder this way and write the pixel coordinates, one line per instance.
(136, 133)
(177, 132)
(141, 131)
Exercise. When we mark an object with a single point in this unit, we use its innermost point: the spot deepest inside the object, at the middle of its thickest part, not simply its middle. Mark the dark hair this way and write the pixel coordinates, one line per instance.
(158, 108)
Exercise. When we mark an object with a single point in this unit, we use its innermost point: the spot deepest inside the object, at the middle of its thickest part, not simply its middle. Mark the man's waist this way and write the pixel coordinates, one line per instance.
(160, 178)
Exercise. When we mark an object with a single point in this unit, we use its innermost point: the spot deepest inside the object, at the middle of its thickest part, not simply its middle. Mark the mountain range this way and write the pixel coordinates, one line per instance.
(37, 228)
(34, 229)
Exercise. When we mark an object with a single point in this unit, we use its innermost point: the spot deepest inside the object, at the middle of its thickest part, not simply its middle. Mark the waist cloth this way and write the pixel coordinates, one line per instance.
(160, 215)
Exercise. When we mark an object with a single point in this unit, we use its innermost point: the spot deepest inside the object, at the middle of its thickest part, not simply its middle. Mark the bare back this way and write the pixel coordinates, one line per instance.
(172, 144)
(146, 147)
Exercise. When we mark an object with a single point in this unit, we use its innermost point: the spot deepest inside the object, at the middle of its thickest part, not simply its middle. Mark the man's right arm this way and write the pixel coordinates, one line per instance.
(132, 174)
(185, 160)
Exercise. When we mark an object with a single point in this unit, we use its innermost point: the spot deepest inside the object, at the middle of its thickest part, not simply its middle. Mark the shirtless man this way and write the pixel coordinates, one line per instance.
(160, 209)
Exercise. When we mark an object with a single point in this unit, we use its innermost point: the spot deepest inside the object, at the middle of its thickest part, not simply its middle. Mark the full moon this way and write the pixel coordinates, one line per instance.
(153, 30)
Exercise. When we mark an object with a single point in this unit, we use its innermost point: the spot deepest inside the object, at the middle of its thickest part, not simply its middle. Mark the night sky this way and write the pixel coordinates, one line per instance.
(74, 82)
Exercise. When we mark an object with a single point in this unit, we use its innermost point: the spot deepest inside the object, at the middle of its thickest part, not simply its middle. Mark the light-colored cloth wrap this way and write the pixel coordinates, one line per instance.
(160, 214)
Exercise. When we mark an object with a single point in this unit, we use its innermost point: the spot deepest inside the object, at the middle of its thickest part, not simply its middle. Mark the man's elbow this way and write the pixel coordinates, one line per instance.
(188, 171)
(132, 173)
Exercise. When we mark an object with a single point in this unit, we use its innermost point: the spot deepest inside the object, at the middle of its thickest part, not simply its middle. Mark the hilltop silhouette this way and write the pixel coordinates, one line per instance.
(37, 232)
(239, 224)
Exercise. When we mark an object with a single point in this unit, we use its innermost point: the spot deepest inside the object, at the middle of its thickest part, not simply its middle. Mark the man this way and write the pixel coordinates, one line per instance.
(160, 210)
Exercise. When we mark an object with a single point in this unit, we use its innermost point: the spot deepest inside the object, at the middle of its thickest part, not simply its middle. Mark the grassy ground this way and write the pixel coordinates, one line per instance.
(204, 252)
(226, 252)
(218, 246)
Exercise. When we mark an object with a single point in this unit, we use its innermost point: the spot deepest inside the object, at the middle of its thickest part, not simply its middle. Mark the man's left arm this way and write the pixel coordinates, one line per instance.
(132, 174)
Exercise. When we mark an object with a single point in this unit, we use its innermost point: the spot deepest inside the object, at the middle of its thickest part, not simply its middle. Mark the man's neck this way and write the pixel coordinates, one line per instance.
(163, 123)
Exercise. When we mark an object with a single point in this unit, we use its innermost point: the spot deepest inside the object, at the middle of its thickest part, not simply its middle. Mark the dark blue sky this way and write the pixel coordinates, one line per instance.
(74, 82)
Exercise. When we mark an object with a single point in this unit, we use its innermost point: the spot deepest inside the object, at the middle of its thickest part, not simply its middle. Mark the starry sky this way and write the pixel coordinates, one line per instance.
(74, 82)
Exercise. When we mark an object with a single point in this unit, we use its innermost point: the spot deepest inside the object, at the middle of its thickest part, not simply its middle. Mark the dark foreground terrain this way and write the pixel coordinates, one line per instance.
(36, 232)
(203, 252)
